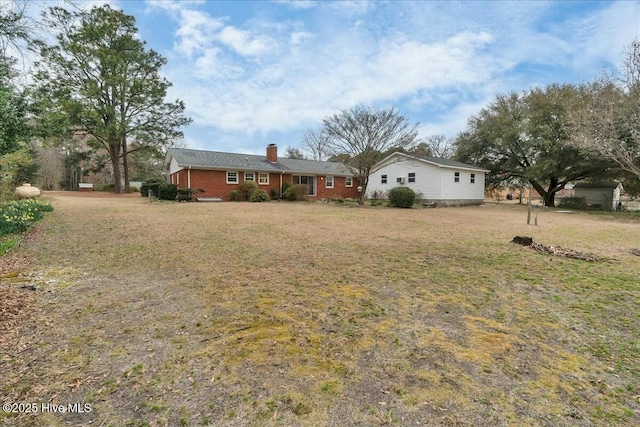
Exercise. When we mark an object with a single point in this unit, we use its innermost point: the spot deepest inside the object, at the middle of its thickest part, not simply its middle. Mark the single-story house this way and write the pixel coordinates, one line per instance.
(219, 173)
(599, 195)
(437, 180)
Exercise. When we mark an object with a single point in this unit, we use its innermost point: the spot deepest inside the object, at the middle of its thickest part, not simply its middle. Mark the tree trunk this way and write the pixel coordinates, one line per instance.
(114, 153)
(125, 163)
(364, 190)
(550, 199)
(548, 196)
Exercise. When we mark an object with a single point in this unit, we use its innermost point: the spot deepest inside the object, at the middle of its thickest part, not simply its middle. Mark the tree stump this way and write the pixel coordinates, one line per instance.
(523, 240)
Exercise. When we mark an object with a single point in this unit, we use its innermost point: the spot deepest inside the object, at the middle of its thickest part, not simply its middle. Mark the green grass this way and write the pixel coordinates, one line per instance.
(7, 243)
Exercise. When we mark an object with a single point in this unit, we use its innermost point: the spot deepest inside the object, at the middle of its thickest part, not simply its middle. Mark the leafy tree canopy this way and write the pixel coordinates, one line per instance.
(103, 79)
(523, 138)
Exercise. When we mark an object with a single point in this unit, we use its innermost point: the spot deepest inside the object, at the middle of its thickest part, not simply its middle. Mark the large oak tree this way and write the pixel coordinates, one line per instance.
(104, 79)
(523, 139)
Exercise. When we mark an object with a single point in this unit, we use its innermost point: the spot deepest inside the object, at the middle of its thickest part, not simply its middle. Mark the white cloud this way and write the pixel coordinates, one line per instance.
(197, 31)
(298, 4)
(243, 42)
(174, 5)
(439, 62)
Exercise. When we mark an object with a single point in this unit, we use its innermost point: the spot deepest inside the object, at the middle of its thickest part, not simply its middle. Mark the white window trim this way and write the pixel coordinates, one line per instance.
(252, 174)
(456, 177)
(260, 181)
(383, 179)
(409, 177)
(232, 182)
(326, 181)
(347, 180)
(472, 178)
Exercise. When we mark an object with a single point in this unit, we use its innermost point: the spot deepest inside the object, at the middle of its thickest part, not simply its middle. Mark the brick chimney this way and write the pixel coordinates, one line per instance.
(272, 153)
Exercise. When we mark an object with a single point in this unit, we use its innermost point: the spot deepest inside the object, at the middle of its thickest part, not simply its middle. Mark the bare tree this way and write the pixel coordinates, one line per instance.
(440, 146)
(608, 119)
(50, 168)
(316, 142)
(365, 134)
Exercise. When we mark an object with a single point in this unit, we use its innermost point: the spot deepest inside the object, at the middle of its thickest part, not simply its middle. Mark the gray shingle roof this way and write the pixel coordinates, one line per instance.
(439, 161)
(448, 162)
(220, 160)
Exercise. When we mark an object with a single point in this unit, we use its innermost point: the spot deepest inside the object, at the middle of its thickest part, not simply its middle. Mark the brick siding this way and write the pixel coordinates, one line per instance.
(214, 182)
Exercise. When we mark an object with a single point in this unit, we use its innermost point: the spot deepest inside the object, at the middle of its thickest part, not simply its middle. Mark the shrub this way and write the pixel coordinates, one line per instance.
(236, 196)
(167, 191)
(259, 196)
(286, 186)
(187, 194)
(248, 188)
(401, 197)
(104, 187)
(274, 194)
(296, 192)
(150, 185)
(573, 203)
(131, 189)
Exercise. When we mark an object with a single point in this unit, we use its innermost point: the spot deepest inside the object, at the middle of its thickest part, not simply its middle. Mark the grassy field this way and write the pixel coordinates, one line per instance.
(308, 314)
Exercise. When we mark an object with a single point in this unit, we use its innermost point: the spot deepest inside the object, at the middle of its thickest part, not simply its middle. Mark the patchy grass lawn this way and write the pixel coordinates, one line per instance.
(310, 314)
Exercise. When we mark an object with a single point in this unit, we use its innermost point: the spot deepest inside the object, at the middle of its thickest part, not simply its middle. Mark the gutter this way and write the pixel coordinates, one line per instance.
(281, 173)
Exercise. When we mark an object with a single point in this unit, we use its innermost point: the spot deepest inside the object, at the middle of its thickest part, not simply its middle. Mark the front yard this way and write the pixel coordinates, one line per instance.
(313, 314)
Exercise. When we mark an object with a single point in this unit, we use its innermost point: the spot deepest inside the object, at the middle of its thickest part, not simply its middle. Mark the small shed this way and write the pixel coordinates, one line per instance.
(599, 195)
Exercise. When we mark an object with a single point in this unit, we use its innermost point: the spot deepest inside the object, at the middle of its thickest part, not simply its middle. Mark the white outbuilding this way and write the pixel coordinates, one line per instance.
(599, 195)
(443, 182)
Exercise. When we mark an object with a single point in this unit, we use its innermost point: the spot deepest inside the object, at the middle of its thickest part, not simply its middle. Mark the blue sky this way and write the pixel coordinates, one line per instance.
(254, 73)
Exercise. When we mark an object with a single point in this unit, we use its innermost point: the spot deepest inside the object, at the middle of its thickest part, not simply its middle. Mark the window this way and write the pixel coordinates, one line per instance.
(263, 178)
(249, 176)
(348, 182)
(456, 177)
(400, 180)
(329, 182)
(412, 177)
(384, 179)
(473, 178)
(232, 177)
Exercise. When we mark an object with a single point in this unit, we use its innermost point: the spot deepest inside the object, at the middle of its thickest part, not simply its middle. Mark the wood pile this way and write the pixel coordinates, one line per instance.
(555, 250)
